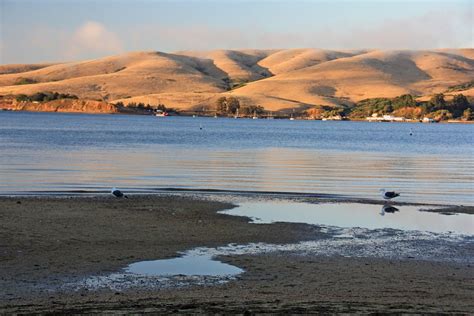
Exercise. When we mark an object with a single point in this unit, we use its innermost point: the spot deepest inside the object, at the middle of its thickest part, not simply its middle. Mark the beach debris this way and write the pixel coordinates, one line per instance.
(388, 195)
(117, 193)
(387, 208)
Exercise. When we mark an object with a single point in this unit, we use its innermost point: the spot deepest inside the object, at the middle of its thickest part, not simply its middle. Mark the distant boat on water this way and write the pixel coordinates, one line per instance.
(161, 113)
(291, 116)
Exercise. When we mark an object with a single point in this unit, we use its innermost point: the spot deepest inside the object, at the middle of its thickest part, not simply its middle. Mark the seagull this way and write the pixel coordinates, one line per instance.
(388, 209)
(388, 195)
(117, 193)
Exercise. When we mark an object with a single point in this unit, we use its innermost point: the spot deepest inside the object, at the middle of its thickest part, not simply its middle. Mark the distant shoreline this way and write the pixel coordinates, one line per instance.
(230, 117)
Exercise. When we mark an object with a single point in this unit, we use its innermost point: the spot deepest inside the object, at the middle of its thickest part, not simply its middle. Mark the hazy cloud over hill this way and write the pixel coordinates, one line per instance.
(93, 37)
(70, 30)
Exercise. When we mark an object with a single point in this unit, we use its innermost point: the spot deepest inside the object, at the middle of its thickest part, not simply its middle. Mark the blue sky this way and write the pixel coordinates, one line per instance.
(51, 30)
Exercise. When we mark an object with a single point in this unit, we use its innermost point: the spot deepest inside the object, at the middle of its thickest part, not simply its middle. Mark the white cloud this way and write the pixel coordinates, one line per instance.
(90, 39)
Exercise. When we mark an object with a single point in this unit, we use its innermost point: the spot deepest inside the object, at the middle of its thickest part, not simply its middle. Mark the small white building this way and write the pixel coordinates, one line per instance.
(333, 118)
(385, 118)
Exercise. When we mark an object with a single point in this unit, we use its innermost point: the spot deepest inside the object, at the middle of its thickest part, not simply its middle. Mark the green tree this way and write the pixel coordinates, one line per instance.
(22, 97)
(334, 112)
(221, 105)
(406, 100)
(233, 105)
(369, 106)
(467, 115)
(253, 109)
(38, 97)
(228, 105)
(442, 115)
(22, 81)
(161, 107)
(458, 105)
(437, 101)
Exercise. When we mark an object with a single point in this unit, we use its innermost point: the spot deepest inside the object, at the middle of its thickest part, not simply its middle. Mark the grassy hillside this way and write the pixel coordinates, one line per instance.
(273, 79)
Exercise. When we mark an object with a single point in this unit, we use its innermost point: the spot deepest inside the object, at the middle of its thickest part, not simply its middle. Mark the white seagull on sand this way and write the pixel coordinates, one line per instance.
(388, 195)
(117, 193)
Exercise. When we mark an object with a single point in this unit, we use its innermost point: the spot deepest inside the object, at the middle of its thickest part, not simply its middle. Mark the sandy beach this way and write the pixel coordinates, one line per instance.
(236, 157)
(48, 241)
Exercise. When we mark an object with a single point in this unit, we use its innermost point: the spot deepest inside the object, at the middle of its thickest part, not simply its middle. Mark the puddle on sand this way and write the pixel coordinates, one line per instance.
(187, 265)
(191, 269)
(370, 216)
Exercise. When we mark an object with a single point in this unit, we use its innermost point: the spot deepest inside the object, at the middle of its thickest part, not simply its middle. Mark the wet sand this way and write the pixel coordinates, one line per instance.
(47, 240)
(451, 210)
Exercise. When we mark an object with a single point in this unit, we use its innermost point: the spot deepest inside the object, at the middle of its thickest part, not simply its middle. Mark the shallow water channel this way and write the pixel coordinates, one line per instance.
(352, 229)
(370, 216)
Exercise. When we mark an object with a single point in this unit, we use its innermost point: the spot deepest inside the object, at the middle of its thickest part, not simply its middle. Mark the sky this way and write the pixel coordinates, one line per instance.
(34, 31)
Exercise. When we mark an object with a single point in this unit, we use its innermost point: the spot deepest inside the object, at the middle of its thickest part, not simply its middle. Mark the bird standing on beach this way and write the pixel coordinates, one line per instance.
(117, 193)
(388, 195)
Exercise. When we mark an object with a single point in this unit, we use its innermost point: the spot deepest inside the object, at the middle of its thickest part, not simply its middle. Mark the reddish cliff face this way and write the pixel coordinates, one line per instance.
(63, 105)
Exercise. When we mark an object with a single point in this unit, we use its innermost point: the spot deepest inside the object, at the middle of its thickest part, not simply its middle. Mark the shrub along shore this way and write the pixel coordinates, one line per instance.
(405, 107)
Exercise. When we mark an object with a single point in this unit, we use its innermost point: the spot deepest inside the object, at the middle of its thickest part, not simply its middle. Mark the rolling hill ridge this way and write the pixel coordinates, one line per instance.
(274, 79)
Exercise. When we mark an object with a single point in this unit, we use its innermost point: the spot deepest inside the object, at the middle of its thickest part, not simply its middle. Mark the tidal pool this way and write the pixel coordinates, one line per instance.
(188, 265)
(193, 268)
(370, 216)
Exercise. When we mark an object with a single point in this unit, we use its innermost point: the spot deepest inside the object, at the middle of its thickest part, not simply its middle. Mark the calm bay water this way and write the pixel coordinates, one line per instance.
(62, 152)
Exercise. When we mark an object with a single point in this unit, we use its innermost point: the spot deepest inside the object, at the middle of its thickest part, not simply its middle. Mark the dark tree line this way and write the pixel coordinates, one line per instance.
(227, 105)
(458, 107)
(145, 106)
(230, 105)
(45, 96)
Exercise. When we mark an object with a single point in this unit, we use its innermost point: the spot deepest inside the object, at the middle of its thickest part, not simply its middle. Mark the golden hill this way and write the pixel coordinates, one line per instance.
(274, 79)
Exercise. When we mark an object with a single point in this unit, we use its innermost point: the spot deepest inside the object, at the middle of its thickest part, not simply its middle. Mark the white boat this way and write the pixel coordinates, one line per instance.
(161, 113)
